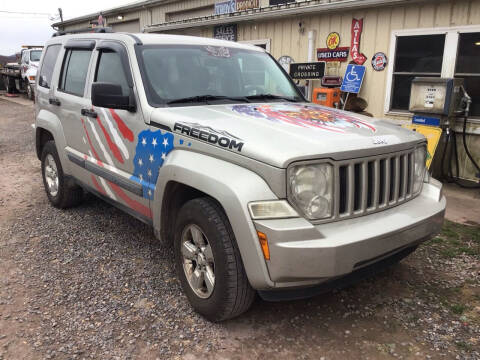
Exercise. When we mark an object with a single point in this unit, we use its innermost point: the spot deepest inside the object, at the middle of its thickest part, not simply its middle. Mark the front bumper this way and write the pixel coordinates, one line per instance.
(302, 254)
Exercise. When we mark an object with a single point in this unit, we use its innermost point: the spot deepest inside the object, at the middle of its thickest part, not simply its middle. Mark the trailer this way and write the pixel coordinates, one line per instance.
(20, 76)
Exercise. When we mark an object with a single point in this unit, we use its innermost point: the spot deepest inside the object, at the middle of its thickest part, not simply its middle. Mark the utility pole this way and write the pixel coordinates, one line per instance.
(60, 12)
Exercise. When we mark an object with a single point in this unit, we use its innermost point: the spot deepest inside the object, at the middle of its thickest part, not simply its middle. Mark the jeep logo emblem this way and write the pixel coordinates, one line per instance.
(380, 141)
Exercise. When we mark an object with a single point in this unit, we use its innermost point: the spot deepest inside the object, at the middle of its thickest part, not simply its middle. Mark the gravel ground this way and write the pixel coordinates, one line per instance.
(92, 282)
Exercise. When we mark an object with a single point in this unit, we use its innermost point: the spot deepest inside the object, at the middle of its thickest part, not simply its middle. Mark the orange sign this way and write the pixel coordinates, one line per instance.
(333, 40)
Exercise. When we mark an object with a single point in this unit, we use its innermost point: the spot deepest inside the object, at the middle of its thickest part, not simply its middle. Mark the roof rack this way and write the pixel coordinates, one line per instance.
(85, 30)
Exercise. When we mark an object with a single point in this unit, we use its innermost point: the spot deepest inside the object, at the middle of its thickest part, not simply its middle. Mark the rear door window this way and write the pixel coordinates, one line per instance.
(48, 65)
(74, 71)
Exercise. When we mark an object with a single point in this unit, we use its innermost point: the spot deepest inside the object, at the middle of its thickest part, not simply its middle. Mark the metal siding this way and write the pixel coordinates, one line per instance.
(189, 13)
(444, 14)
(127, 26)
(474, 12)
(427, 16)
(459, 13)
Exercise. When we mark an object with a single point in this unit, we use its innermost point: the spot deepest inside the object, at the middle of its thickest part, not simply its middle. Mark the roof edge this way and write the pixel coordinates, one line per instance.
(128, 7)
(274, 11)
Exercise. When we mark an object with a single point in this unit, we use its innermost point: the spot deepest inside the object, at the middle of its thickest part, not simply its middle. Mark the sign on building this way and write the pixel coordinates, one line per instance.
(247, 4)
(357, 28)
(307, 71)
(353, 79)
(225, 32)
(225, 7)
(338, 54)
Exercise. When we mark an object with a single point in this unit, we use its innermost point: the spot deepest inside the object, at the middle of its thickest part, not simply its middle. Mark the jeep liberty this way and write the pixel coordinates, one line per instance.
(212, 144)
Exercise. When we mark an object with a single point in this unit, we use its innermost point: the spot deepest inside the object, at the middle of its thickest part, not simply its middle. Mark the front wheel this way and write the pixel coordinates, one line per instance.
(208, 261)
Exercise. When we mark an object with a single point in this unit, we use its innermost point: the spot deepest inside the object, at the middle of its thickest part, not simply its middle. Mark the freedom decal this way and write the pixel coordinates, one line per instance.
(309, 116)
(208, 134)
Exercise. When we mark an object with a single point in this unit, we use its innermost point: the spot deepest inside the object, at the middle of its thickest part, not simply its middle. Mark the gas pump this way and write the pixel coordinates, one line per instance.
(441, 103)
(436, 101)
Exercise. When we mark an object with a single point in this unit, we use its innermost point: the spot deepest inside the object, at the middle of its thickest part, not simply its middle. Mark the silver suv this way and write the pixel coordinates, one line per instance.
(212, 144)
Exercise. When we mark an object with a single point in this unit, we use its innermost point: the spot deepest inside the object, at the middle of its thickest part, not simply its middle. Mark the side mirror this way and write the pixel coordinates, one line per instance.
(110, 95)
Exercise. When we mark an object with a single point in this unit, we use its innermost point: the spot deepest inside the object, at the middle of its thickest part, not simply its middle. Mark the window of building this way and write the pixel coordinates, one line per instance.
(448, 52)
(263, 43)
(415, 56)
(48, 65)
(74, 71)
(468, 67)
(110, 70)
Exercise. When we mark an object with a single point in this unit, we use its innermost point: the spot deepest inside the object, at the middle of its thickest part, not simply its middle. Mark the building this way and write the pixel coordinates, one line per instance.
(438, 38)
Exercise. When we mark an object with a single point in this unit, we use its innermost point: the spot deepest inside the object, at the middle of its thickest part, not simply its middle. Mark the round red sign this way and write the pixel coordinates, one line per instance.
(379, 61)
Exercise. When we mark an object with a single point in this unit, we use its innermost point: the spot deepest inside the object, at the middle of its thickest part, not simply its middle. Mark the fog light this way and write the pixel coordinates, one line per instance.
(274, 209)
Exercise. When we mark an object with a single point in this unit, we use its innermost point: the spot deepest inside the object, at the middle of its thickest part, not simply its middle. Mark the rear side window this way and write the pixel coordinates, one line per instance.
(110, 70)
(74, 71)
(48, 65)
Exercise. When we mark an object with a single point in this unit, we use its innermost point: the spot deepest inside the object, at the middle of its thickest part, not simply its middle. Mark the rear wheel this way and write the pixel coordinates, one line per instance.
(61, 192)
(9, 84)
(29, 89)
(208, 261)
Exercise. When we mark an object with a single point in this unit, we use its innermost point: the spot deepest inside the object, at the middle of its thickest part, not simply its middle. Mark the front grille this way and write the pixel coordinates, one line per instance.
(371, 184)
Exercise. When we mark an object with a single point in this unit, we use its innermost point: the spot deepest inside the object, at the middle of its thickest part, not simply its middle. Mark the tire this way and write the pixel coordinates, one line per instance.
(29, 90)
(10, 85)
(232, 294)
(63, 193)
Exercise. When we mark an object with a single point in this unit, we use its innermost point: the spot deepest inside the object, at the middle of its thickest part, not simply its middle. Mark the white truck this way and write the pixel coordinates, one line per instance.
(20, 76)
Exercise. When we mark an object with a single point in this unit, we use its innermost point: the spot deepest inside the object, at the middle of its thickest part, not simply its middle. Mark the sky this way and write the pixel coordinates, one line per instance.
(18, 28)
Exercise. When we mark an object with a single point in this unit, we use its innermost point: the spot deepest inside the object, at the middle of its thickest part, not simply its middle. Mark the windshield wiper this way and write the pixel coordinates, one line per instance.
(272, 97)
(206, 98)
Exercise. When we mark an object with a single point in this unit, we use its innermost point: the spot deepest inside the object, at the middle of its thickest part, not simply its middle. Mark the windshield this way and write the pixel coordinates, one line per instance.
(201, 74)
(35, 55)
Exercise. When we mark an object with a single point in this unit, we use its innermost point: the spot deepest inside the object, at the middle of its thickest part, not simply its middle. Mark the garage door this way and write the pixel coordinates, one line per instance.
(127, 26)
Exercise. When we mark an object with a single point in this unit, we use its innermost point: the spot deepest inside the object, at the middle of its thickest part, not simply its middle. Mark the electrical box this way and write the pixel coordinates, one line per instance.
(326, 96)
(436, 96)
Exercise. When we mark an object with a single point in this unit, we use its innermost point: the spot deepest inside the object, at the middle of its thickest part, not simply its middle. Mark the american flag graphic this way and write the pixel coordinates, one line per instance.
(308, 116)
(107, 137)
(150, 153)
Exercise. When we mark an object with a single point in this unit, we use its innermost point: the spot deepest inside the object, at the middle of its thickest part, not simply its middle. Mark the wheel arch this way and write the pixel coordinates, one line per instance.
(176, 194)
(49, 127)
(230, 185)
(41, 137)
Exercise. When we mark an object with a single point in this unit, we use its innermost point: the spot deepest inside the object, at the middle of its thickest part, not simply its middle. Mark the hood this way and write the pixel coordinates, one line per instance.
(279, 133)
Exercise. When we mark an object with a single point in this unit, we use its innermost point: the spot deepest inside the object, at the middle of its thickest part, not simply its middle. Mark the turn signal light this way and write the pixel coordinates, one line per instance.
(264, 245)
(32, 78)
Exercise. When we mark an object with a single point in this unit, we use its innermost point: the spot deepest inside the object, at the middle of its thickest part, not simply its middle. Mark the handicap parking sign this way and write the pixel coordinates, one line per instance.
(353, 79)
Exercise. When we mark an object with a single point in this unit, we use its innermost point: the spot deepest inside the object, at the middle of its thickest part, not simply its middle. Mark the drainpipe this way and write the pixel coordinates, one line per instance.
(312, 34)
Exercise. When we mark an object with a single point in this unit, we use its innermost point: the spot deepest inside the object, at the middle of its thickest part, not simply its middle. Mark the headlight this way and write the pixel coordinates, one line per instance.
(311, 189)
(420, 155)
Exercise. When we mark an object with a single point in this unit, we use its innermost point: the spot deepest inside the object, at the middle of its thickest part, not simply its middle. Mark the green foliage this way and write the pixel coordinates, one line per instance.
(457, 239)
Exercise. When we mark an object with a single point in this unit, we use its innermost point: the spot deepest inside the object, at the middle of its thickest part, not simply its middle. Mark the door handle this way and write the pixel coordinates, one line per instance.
(89, 113)
(54, 101)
